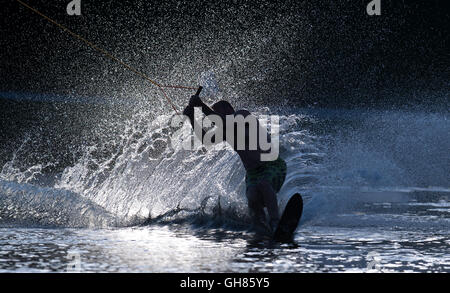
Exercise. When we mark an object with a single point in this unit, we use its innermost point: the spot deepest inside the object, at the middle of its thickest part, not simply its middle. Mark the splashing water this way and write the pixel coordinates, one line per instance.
(148, 174)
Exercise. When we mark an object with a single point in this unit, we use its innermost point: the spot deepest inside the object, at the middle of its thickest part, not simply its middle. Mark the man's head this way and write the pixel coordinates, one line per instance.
(223, 107)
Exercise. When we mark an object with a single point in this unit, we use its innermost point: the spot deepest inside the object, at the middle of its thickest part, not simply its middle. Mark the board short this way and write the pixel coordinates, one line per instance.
(272, 171)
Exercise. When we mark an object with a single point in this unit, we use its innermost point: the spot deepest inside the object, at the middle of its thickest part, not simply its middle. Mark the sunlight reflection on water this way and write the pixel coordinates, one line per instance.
(182, 249)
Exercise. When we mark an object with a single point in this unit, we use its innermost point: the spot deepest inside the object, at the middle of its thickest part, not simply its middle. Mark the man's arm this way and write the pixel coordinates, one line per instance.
(189, 112)
(195, 101)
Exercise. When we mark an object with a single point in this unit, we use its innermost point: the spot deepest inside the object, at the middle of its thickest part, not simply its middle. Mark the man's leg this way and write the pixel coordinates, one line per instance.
(256, 205)
(269, 197)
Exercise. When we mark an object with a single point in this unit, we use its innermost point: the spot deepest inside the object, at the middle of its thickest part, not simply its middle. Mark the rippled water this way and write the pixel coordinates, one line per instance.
(179, 249)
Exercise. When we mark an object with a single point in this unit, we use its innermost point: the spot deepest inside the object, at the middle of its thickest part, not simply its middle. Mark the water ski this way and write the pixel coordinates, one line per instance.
(289, 219)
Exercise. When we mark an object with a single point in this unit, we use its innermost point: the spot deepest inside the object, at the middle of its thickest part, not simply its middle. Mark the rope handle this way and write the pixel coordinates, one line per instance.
(198, 91)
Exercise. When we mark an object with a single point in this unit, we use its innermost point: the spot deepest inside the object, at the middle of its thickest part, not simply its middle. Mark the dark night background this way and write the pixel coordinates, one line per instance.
(292, 53)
